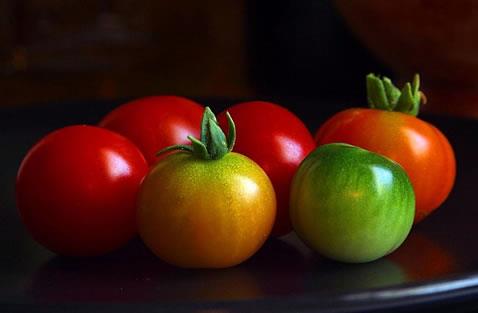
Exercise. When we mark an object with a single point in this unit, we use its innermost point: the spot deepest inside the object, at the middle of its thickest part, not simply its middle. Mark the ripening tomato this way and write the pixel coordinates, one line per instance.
(206, 207)
(77, 190)
(390, 128)
(153, 123)
(278, 141)
(350, 204)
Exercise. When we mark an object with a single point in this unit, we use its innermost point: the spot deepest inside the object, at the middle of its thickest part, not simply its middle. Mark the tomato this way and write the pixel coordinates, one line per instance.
(207, 207)
(77, 189)
(278, 141)
(351, 205)
(154, 123)
(418, 146)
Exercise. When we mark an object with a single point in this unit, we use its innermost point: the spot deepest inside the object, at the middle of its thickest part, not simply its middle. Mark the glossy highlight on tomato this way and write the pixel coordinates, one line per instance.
(278, 141)
(77, 190)
(350, 204)
(205, 206)
(422, 149)
(155, 122)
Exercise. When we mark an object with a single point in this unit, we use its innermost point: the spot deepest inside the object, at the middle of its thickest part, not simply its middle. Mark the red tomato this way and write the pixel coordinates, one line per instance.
(278, 141)
(418, 146)
(154, 123)
(77, 189)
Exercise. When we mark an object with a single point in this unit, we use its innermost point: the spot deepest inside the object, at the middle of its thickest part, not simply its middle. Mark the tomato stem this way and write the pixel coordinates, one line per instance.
(382, 94)
(213, 143)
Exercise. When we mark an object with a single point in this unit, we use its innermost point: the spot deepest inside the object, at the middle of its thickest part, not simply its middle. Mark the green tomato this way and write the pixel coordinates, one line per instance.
(350, 204)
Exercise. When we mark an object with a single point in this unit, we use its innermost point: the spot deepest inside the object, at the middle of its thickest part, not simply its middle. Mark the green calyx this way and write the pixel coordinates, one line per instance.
(213, 143)
(383, 95)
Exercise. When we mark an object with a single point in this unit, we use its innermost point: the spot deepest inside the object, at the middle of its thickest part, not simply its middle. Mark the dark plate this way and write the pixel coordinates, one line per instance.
(437, 266)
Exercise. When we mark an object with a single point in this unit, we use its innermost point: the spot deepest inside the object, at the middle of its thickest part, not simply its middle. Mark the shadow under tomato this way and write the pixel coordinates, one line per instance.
(119, 276)
(334, 277)
(421, 258)
(418, 259)
(281, 265)
(134, 274)
(274, 270)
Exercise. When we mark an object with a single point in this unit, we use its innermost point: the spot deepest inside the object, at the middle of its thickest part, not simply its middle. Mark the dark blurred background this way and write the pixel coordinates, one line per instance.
(305, 49)
(63, 50)
(59, 50)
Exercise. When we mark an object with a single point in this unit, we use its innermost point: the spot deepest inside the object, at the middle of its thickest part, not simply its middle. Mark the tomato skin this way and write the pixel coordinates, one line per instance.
(77, 189)
(350, 204)
(206, 213)
(155, 122)
(278, 141)
(418, 146)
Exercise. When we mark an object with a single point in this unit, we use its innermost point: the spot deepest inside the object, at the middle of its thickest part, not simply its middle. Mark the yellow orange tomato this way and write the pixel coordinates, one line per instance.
(206, 212)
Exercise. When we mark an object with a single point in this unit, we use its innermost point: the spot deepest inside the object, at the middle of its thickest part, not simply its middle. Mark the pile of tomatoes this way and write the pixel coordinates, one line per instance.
(207, 192)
